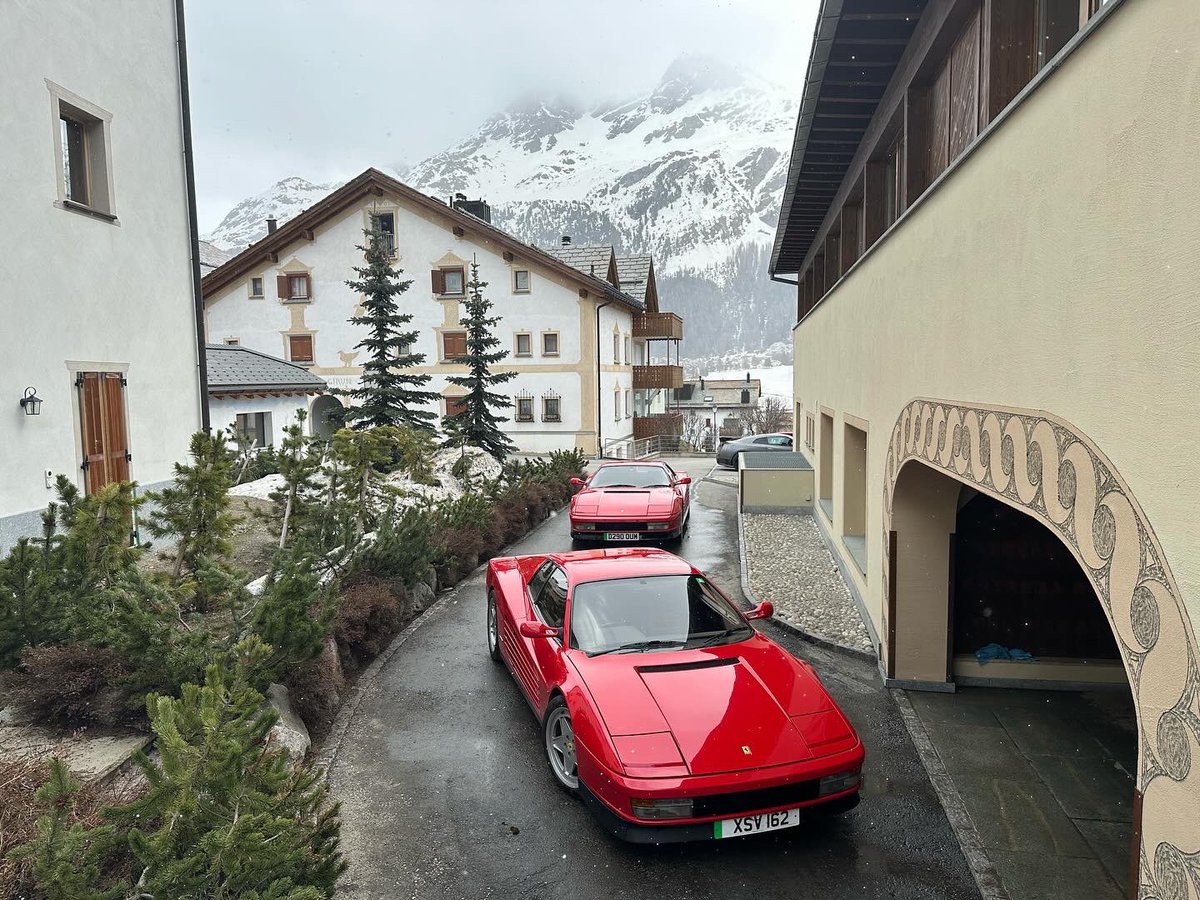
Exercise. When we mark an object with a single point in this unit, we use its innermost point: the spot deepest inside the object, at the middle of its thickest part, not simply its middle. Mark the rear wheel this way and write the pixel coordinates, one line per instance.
(559, 739)
(493, 628)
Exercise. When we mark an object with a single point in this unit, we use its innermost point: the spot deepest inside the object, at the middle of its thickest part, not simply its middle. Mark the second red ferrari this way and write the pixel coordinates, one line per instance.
(630, 501)
(661, 706)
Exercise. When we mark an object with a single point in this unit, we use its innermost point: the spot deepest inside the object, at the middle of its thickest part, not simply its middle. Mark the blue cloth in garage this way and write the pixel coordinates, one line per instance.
(989, 652)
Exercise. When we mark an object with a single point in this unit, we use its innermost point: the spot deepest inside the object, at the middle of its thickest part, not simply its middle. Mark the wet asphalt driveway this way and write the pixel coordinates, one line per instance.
(446, 793)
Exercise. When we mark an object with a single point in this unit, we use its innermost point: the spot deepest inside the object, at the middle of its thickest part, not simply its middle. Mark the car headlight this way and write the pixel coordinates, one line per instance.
(843, 781)
(585, 526)
(658, 526)
(649, 808)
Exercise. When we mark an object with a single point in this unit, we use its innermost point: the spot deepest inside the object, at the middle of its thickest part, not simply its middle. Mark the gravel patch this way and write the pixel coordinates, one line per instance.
(789, 564)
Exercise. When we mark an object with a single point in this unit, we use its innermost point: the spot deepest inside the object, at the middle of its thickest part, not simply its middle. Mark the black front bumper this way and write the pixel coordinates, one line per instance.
(677, 834)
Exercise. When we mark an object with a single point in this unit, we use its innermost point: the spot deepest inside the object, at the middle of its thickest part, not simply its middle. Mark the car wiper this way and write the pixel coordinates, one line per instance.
(719, 636)
(617, 485)
(639, 646)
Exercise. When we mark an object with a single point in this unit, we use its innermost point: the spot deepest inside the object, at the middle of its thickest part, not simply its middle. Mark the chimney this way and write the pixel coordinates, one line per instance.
(747, 378)
(701, 382)
(566, 240)
(272, 224)
(477, 208)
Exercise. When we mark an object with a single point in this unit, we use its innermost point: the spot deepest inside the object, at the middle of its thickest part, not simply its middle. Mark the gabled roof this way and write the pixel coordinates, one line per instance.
(855, 51)
(599, 261)
(212, 256)
(724, 391)
(372, 182)
(235, 369)
(636, 275)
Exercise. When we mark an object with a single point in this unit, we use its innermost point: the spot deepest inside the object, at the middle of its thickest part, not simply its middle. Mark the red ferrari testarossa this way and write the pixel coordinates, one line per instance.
(633, 500)
(661, 706)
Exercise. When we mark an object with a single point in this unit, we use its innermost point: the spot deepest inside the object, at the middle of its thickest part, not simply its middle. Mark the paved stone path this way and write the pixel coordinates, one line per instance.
(789, 564)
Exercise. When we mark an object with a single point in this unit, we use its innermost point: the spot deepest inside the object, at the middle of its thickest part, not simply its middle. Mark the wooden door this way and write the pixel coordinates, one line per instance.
(105, 440)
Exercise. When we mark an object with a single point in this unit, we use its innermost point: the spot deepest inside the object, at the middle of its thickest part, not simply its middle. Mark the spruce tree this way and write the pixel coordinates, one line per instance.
(388, 394)
(475, 423)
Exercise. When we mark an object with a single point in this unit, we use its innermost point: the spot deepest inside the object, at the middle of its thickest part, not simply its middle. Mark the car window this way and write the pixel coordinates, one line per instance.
(630, 476)
(780, 441)
(652, 613)
(538, 579)
(551, 601)
(762, 440)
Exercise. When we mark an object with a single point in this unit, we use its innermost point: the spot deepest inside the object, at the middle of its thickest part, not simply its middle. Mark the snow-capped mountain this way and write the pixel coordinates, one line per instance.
(692, 171)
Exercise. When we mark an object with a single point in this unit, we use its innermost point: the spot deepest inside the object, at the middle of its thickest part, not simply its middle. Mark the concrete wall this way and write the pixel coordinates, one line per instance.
(776, 490)
(224, 412)
(79, 292)
(426, 242)
(1054, 269)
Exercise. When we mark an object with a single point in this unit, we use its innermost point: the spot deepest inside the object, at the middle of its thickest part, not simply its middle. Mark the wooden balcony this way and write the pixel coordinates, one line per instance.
(657, 377)
(653, 426)
(661, 326)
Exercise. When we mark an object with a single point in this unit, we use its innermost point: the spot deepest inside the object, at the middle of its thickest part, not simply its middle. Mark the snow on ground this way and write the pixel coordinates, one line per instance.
(260, 489)
(776, 380)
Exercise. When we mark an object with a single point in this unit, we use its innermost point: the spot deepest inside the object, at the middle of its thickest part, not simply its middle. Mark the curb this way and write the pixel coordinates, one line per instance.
(324, 760)
(976, 855)
(812, 637)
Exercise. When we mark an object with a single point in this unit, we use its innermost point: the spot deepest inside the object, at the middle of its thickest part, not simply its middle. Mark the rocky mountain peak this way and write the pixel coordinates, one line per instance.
(688, 76)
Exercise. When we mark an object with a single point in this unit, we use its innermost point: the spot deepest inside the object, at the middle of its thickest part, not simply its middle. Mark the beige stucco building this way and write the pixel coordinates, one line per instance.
(991, 217)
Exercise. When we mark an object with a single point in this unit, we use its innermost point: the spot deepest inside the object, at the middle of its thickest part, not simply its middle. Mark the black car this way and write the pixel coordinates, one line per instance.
(727, 453)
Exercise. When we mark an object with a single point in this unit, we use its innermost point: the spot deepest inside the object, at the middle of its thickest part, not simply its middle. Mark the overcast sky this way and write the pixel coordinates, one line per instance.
(323, 89)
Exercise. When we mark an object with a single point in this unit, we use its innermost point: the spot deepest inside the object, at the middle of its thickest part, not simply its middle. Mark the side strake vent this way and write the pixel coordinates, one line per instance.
(684, 667)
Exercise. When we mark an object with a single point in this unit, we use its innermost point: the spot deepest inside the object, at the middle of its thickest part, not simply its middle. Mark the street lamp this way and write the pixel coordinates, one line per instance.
(716, 432)
(31, 402)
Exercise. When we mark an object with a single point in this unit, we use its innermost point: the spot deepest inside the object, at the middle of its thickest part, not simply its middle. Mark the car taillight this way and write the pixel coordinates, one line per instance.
(648, 808)
(842, 781)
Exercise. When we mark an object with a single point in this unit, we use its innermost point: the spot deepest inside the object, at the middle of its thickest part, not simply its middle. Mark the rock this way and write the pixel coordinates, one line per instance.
(421, 596)
(289, 733)
(431, 579)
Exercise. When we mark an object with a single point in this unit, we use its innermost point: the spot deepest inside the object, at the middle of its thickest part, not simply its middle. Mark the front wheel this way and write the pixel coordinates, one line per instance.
(493, 628)
(559, 739)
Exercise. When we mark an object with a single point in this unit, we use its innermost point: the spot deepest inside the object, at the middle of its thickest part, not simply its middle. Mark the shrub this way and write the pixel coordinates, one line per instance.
(457, 552)
(401, 549)
(72, 684)
(370, 612)
(292, 616)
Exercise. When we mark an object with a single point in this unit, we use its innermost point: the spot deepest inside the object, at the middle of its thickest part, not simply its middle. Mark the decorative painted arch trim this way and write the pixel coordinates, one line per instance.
(1044, 466)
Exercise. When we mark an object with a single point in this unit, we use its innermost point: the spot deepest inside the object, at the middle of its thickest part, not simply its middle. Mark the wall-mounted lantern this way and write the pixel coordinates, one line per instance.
(31, 403)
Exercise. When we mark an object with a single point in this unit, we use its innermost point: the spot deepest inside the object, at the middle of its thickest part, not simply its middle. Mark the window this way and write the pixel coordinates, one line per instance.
(232, 342)
(524, 344)
(616, 404)
(256, 427)
(779, 440)
(551, 411)
(616, 349)
(627, 355)
(549, 343)
(454, 345)
(448, 282)
(456, 405)
(300, 348)
(628, 404)
(524, 409)
(295, 287)
(854, 494)
(256, 288)
(81, 145)
(825, 461)
(520, 281)
(551, 600)
(384, 224)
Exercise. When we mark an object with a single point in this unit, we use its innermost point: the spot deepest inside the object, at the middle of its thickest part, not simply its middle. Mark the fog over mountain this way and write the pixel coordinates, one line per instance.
(692, 171)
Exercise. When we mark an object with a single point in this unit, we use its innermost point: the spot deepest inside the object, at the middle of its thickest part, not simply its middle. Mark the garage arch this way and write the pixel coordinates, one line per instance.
(1045, 467)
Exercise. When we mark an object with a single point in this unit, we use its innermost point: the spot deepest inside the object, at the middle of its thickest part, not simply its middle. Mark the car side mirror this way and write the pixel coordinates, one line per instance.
(684, 479)
(538, 630)
(577, 482)
(764, 610)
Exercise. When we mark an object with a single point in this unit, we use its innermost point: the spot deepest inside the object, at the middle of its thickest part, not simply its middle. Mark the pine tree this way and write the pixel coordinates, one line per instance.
(388, 394)
(195, 509)
(298, 466)
(475, 423)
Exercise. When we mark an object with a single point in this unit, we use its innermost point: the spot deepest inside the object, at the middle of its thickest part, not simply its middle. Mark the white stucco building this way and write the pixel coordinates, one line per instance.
(97, 282)
(570, 333)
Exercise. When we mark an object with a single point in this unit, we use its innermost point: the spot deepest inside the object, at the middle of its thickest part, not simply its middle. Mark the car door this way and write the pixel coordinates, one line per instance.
(519, 649)
(550, 606)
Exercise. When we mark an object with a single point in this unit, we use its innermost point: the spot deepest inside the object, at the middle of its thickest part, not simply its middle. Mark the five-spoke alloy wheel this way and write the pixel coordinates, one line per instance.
(559, 738)
(493, 628)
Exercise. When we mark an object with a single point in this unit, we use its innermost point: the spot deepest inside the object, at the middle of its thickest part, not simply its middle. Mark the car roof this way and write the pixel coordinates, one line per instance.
(607, 563)
(631, 462)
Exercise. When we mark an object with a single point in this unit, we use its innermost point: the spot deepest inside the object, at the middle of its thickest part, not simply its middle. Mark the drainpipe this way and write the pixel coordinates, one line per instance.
(599, 414)
(185, 104)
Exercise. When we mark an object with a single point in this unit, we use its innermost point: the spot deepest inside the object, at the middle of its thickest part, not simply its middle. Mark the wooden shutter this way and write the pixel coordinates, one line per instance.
(281, 287)
(102, 420)
(300, 348)
(439, 281)
(964, 89)
(456, 405)
(454, 344)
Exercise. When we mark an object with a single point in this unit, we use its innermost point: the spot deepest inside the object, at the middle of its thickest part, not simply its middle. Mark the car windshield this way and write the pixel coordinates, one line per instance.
(630, 615)
(630, 476)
